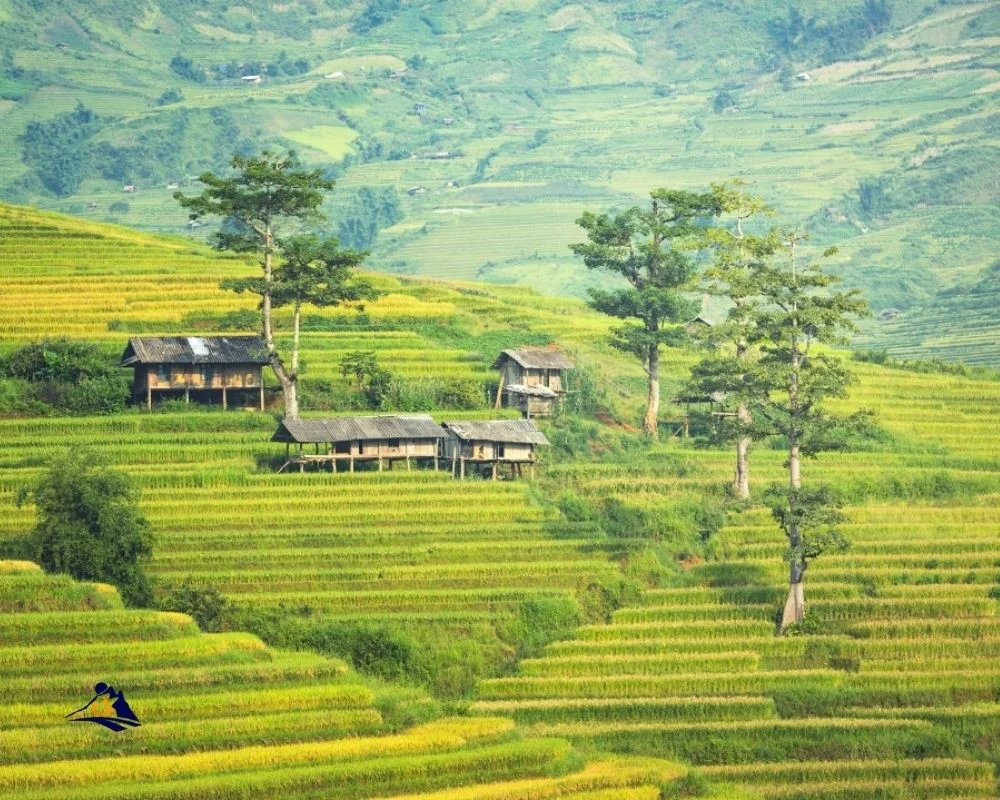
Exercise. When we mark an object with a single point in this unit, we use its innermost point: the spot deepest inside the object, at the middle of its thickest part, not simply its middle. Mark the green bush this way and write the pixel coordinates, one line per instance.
(62, 375)
(205, 604)
(540, 621)
(89, 525)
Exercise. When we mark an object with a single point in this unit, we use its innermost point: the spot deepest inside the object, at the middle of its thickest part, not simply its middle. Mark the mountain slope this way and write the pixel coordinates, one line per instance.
(543, 108)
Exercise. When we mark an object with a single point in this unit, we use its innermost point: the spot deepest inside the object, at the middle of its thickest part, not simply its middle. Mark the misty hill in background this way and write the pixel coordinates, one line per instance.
(467, 137)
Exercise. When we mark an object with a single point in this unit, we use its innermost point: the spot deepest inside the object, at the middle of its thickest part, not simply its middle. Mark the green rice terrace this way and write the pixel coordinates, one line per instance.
(543, 648)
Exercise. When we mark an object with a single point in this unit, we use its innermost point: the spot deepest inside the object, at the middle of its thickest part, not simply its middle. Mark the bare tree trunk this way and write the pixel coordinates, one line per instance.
(795, 605)
(650, 420)
(741, 481)
(288, 388)
(296, 325)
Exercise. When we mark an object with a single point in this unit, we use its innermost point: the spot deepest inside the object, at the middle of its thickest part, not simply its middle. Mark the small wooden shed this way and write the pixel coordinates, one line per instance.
(532, 379)
(385, 438)
(210, 368)
(492, 443)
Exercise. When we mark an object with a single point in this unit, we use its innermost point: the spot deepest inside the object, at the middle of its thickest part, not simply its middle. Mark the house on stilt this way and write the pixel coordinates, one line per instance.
(532, 380)
(221, 370)
(473, 446)
(341, 442)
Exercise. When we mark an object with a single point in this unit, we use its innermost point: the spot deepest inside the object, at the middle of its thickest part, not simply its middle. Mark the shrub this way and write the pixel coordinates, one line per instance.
(540, 621)
(203, 603)
(89, 525)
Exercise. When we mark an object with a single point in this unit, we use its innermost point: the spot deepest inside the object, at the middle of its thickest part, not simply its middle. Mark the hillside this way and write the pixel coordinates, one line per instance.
(507, 119)
(665, 642)
(222, 715)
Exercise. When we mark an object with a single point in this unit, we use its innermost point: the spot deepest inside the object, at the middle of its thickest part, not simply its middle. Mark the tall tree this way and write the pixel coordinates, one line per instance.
(650, 249)
(738, 254)
(262, 196)
(317, 272)
(799, 312)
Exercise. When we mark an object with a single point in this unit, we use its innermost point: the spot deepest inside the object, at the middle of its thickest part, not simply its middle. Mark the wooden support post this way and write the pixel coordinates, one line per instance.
(494, 470)
(187, 394)
(149, 396)
(352, 463)
(286, 451)
(380, 462)
(262, 397)
(454, 465)
(531, 468)
(463, 468)
(407, 463)
(225, 399)
(499, 391)
(435, 462)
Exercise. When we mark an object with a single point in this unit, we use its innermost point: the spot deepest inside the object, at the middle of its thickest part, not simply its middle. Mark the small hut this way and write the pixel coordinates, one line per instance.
(492, 443)
(531, 379)
(207, 368)
(344, 441)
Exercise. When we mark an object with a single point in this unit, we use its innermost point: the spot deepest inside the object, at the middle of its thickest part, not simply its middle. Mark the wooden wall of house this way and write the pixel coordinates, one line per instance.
(514, 373)
(389, 448)
(198, 376)
(487, 450)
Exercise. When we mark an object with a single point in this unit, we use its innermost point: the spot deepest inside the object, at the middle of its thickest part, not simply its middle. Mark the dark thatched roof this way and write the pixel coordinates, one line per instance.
(534, 358)
(348, 429)
(513, 431)
(195, 350)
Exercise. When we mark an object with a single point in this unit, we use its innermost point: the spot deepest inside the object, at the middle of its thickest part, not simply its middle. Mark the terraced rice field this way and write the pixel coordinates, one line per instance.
(397, 545)
(222, 715)
(897, 694)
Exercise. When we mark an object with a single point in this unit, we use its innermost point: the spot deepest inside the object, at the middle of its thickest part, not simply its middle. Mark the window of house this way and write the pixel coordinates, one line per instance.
(394, 444)
(162, 373)
(501, 451)
(250, 379)
(208, 374)
(342, 447)
(361, 448)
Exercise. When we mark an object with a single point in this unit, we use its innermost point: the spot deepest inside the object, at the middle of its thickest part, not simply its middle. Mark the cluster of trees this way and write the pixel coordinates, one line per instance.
(375, 13)
(58, 150)
(767, 358)
(369, 209)
(61, 376)
(64, 151)
(798, 36)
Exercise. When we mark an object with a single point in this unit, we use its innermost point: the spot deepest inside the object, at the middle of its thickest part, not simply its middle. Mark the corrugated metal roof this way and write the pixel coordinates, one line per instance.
(535, 358)
(515, 431)
(531, 391)
(346, 429)
(195, 350)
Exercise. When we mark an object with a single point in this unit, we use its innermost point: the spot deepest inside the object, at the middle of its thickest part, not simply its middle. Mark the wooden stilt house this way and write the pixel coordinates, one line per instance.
(532, 379)
(214, 369)
(342, 442)
(475, 445)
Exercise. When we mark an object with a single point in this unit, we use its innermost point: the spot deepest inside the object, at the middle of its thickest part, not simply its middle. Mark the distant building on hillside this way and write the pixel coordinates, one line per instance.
(531, 379)
(343, 441)
(252, 79)
(698, 323)
(474, 445)
(413, 191)
(213, 369)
